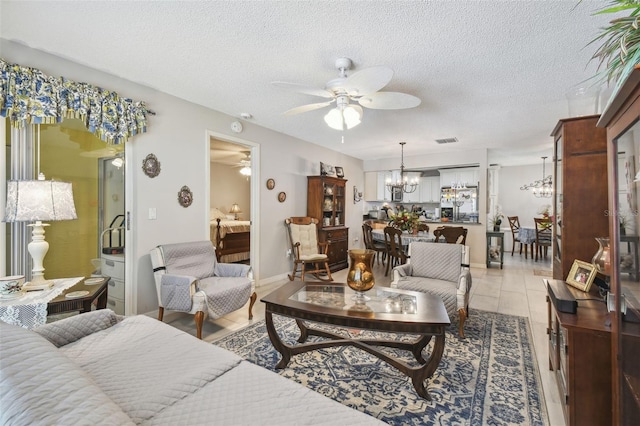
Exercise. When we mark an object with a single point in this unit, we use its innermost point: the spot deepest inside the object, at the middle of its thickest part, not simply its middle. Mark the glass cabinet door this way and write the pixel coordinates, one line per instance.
(557, 202)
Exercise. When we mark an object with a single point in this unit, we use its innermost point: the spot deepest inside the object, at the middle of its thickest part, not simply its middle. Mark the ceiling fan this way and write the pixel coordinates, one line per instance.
(245, 164)
(362, 87)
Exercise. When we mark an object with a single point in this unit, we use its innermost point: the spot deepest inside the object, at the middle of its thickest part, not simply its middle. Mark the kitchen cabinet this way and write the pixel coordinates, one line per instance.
(465, 175)
(326, 202)
(412, 197)
(430, 189)
(382, 193)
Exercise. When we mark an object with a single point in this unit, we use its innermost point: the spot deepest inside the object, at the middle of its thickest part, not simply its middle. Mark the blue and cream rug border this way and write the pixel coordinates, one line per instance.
(489, 378)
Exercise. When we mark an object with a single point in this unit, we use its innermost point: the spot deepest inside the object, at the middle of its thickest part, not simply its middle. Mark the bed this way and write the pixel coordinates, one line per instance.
(232, 239)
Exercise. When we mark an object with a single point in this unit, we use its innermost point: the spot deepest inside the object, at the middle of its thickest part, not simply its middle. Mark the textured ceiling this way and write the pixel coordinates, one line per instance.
(491, 73)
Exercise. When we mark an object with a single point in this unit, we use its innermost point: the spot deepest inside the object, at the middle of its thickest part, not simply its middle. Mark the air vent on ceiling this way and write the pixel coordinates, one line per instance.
(447, 140)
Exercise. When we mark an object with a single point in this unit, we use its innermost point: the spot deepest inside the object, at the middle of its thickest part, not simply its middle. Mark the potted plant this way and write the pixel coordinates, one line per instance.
(620, 48)
(496, 221)
(624, 222)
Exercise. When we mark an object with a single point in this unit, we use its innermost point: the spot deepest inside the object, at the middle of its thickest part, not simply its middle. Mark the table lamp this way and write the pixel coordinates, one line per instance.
(38, 200)
(235, 209)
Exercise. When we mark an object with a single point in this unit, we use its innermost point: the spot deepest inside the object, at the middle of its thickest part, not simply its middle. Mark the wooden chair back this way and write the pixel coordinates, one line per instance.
(451, 234)
(543, 236)
(395, 250)
(514, 224)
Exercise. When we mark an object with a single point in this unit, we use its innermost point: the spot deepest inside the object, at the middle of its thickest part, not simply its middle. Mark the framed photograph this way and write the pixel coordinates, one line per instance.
(339, 172)
(282, 196)
(581, 275)
(326, 169)
(271, 184)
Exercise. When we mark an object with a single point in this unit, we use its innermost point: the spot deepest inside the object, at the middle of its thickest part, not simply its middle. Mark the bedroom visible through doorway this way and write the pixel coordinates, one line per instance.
(230, 200)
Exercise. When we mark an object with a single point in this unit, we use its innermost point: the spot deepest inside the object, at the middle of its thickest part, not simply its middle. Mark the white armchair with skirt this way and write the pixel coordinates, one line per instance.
(441, 270)
(190, 279)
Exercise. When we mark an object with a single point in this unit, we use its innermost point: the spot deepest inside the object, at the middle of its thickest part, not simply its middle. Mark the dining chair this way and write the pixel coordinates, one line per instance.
(543, 236)
(514, 224)
(379, 247)
(395, 250)
(451, 234)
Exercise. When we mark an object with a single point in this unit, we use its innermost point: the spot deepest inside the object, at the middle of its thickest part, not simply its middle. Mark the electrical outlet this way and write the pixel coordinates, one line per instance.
(356, 239)
(288, 253)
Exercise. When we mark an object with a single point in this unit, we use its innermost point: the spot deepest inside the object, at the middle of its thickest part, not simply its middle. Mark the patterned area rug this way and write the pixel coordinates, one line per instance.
(490, 377)
(542, 272)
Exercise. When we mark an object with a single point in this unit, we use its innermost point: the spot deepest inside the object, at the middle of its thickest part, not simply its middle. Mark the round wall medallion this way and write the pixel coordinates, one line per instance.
(185, 196)
(282, 196)
(151, 166)
(271, 184)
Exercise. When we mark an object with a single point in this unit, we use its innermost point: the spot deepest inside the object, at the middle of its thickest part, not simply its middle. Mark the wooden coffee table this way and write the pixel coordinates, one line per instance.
(388, 310)
(97, 293)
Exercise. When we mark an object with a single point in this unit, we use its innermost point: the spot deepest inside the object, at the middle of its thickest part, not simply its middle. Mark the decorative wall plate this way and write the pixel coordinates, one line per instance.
(151, 166)
(282, 196)
(271, 184)
(185, 196)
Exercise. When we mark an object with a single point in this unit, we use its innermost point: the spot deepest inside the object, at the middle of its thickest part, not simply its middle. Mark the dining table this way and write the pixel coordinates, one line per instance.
(407, 238)
(527, 237)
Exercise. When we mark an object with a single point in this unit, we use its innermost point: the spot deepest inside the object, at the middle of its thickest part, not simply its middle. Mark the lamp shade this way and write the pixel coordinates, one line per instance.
(39, 200)
(235, 208)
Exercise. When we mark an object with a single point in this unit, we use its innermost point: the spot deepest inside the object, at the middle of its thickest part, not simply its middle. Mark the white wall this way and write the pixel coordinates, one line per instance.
(515, 202)
(177, 135)
(228, 186)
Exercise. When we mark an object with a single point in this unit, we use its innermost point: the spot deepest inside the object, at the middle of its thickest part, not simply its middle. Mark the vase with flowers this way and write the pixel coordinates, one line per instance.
(405, 221)
(545, 212)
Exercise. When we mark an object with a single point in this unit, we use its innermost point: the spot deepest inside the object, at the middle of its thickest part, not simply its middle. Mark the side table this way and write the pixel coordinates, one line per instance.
(493, 257)
(97, 293)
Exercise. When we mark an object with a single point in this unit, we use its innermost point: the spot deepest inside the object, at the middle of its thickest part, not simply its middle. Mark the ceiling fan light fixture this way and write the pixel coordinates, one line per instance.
(340, 117)
(245, 171)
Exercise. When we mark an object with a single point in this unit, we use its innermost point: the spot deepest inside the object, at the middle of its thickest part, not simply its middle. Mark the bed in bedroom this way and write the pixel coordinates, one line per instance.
(232, 239)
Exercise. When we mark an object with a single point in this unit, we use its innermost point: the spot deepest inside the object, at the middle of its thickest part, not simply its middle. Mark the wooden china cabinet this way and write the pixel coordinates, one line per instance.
(622, 122)
(326, 201)
(580, 191)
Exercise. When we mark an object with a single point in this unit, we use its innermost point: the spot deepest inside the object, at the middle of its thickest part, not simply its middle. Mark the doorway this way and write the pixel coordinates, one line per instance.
(233, 172)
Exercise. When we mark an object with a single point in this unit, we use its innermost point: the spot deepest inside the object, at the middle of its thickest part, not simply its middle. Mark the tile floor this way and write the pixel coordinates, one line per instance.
(517, 289)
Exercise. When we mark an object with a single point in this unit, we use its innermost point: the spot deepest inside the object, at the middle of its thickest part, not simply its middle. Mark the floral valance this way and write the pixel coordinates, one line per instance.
(28, 96)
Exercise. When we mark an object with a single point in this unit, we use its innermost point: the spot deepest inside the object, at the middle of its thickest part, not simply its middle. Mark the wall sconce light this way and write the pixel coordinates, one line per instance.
(357, 196)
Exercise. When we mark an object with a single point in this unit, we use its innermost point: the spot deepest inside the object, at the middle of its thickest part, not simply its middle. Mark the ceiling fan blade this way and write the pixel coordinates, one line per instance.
(301, 88)
(389, 100)
(368, 80)
(307, 108)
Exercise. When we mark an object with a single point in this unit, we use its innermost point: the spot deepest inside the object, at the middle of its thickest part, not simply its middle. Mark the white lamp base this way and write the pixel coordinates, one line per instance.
(38, 249)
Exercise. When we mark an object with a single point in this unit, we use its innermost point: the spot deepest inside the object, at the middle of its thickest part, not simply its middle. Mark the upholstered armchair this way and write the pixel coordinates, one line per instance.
(190, 279)
(439, 269)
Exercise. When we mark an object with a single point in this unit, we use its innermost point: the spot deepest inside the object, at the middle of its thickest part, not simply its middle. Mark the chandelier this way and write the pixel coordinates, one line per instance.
(402, 184)
(542, 188)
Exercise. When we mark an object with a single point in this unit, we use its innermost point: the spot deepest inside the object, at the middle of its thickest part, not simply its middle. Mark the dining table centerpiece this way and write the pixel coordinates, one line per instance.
(404, 220)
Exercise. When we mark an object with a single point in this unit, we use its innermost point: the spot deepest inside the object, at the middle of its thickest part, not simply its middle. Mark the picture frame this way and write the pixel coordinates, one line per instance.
(339, 172)
(151, 166)
(185, 196)
(271, 184)
(282, 196)
(326, 169)
(581, 275)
